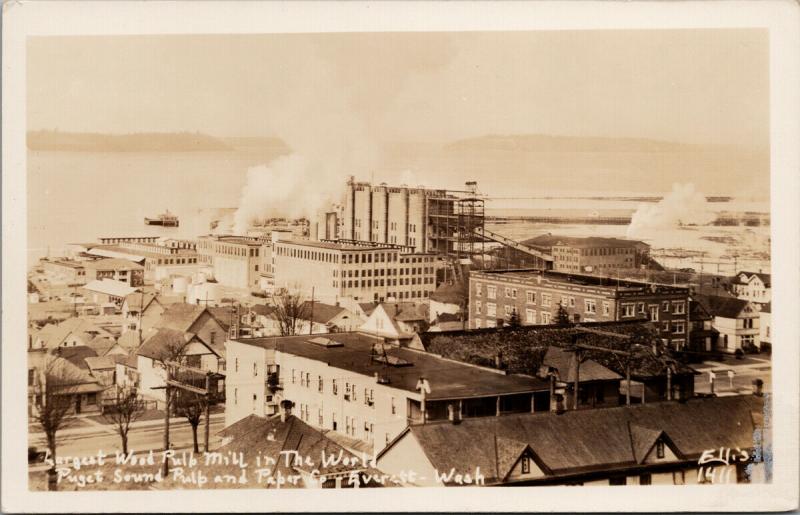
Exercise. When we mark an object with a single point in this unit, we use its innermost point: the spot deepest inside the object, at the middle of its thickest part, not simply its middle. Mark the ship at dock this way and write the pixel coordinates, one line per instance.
(166, 219)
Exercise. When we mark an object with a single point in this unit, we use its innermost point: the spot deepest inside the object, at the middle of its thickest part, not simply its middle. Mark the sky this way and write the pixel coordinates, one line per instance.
(693, 86)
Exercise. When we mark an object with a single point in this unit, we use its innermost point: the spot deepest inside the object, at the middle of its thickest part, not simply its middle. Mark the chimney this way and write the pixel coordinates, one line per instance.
(286, 409)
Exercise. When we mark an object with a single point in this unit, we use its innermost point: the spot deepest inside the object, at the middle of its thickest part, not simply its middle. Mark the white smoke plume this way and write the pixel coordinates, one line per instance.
(682, 206)
(329, 117)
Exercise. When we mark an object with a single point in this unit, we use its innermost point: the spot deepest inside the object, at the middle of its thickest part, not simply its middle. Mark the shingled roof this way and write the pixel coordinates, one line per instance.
(564, 362)
(725, 307)
(587, 440)
(161, 343)
(180, 316)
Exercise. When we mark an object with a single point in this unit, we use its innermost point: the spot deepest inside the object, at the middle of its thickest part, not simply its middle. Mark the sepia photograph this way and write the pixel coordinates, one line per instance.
(424, 259)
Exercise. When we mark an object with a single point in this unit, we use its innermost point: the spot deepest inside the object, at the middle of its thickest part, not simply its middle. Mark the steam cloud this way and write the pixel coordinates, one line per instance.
(682, 206)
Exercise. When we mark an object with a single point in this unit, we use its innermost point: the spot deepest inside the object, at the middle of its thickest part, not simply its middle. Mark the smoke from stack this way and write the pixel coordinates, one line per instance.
(682, 206)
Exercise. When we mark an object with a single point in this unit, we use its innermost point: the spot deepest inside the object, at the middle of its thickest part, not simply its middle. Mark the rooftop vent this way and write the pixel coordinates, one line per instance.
(393, 361)
(325, 342)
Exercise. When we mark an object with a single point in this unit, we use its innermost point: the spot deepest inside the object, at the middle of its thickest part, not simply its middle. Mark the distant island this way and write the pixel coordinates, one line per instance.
(545, 143)
(134, 142)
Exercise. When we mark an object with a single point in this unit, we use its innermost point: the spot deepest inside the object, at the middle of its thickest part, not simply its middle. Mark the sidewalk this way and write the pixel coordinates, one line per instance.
(93, 426)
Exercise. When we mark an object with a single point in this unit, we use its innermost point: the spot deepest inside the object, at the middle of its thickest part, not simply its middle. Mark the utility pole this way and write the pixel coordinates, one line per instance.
(311, 317)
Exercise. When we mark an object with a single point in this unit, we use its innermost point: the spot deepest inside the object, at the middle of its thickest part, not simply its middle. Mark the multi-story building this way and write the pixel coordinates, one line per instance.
(359, 270)
(591, 255)
(236, 260)
(737, 322)
(159, 258)
(428, 220)
(753, 287)
(536, 297)
(114, 269)
(64, 271)
(357, 386)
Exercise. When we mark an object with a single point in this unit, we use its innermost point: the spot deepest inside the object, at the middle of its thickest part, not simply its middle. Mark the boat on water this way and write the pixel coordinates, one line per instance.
(165, 219)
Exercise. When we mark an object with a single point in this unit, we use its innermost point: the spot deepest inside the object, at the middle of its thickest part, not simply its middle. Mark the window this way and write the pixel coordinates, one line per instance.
(293, 376)
(478, 307)
(591, 305)
(679, 308)
(478, 290)
(491, 309)
(508, 292)
(491, 292)
(507, 309)
(347, 391)
(654, 313)
(665, 306)
(335, 387)
(628, 310)
(748, 323)
(526, 465)
(513, 293)
(606, 308)
(394, 408)
(530, 297)
(678, 326)
(236, 365)
(319, 384)
(641, 308)
(547, 300)
(659, 449)
(236, 396)
(545, 318)
(530, 316)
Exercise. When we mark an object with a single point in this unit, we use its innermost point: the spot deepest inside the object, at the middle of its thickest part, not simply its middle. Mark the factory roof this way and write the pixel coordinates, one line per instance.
(549, 240)
(562, 278)
(329, 245)
(110, 287)
(114, 264)
(448, 379)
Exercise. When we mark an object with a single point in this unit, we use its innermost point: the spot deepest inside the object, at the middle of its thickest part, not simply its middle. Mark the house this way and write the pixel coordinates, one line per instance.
(108, 294)
(649, 444)
(163, 345)
(736, 320)
(363, 388)
(449, 298)
(765, 327)
(76, 355)
(126, 374)
(68, 333)
(702, 335)
(142, 308)
(198, 320)
(397, 321)
(448, 322)
(316, 318)
(102, 368)
(280, 435)
(598, 386)
(81, 390)
(753, 286)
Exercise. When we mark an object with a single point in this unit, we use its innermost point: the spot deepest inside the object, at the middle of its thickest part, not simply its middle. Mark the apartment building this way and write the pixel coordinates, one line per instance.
(359, 270)
(535, 296)
(359, 387)
(236, 260)
(591, 254)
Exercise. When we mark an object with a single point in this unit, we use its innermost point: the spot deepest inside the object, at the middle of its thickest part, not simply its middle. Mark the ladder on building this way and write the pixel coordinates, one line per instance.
(480, 231)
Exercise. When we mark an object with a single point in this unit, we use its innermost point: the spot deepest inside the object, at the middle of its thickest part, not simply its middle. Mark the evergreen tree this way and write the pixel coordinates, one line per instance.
(562, 316)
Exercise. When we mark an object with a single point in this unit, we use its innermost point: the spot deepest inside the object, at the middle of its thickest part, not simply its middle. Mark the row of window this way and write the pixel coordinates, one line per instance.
(377, 283)
(177, 261)
(386, 271)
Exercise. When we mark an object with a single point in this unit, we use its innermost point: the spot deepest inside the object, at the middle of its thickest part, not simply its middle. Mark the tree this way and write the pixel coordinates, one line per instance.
(126, 407)
(192, 406)
(59, 381)
(290, 311)
(562, 316)
(513, 319)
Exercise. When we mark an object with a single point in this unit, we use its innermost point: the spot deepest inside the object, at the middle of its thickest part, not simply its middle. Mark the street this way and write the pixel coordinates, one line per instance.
(87, 440)
(744, 372)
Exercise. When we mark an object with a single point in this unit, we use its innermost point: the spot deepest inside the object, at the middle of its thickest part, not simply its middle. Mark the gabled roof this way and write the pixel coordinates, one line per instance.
(222, 314)
(321, 313)
(589, 440)
(163, 343)
(564, 362)
(53, 335)
(765, 278)
(78, 378)
(270, 436)
(508, 453)
(642, 440)
(180, 316)
(101, 362)
(101, 344)
(368, 307)
(76, 355)
(139, 300)
(725, 307)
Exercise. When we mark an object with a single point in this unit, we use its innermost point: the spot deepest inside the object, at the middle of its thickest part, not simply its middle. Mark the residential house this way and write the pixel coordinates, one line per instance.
(649, 444)
(74, 382)
(736, 320)
(103, 368)
(161, 347)
(397, 322)
(142, 309)
(68, 333)
(198, 320)
(702, 335)
(599, 386)
(316, 318)
(753, 286)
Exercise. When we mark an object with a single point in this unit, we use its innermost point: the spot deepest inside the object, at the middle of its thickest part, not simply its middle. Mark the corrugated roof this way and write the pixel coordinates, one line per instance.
(448, 379)
(586, 440)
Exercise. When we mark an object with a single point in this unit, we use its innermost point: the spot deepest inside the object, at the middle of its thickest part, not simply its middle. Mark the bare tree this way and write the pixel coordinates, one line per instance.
(192, 406)
(290, 311)
(60, 380)
(125, 408)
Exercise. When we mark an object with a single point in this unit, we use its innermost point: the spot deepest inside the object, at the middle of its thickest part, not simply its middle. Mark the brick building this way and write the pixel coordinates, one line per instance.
(535, 297)
(592, 254)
